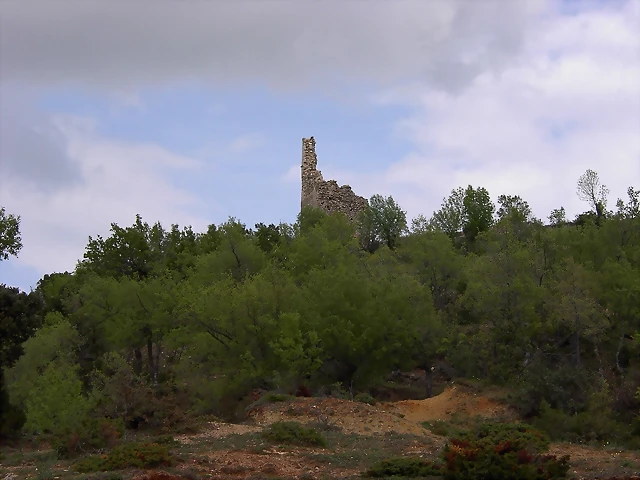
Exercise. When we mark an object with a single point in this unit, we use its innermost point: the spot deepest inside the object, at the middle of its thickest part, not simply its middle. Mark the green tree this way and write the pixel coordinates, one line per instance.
(479, 211)
(469, 211)
(382, 222)
(514, 209)
(452, 215)
(10, 239)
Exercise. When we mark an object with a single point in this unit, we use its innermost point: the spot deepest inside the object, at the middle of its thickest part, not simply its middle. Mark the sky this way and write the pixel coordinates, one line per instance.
(191, 112)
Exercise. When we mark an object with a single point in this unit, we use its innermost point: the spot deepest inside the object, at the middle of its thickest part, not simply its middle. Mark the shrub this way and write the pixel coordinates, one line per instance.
(492, 451)
(520, 435)
(92, 434)
(364, 397)
(404, 467)
(129, 455)
(587, 426)
(270, 397)
(293, 433)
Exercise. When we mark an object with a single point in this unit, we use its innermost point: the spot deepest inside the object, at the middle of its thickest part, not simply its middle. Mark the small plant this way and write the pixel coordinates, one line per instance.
(128, 455)
(293, 433)
(364, 397)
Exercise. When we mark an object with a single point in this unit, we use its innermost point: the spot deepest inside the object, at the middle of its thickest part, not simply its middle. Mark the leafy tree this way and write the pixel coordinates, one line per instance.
(558, 217)
(590, 190)
(514, 209)
(382, 223)
(10, 239)
(479, 211)
(469, 211)
(452, 215)
(20, 317)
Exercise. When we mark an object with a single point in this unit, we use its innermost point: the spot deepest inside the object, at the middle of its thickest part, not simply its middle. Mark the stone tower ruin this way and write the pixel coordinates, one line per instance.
(326, 194)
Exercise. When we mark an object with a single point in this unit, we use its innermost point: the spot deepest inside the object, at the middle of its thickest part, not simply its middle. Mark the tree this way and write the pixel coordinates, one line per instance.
(479, 210)
(514, 209)
(382, 222)
(469, 211)
(590, 190)
(558, 217)
(451, 217)
(10, 239)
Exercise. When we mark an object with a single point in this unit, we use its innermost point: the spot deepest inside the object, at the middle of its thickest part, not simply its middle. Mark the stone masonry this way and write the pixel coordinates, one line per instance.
(326, 194)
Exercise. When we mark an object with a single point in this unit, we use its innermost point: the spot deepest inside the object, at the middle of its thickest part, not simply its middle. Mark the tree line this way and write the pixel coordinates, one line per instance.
(153, 320)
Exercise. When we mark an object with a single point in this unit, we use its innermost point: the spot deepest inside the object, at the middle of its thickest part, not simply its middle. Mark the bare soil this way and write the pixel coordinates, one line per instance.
(358, 435)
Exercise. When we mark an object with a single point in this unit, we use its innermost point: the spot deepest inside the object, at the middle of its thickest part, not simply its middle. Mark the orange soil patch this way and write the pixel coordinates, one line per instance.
(454, 400)
(349, 417)
(217, 430)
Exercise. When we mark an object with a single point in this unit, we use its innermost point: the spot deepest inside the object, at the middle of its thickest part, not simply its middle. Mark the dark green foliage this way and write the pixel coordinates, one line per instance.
(128, 455)
(364, 397)
(491, 451)
(10, 239)
(409, 467)
(293, 433)
(519, 435)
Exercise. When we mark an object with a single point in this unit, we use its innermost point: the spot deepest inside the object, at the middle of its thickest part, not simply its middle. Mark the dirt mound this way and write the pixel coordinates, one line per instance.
(347, 416)
(454, 400)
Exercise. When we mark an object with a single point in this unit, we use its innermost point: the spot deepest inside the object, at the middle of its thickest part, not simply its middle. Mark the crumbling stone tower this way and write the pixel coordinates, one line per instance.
(326, 195)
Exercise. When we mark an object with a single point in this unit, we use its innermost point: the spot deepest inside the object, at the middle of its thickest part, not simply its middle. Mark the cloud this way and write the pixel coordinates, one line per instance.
(32, 149)
(570, 101)
(246, 143)
(120, 180)
(124, 45)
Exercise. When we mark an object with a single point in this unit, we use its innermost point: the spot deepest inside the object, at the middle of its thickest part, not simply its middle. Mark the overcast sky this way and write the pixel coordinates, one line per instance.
(189, 112)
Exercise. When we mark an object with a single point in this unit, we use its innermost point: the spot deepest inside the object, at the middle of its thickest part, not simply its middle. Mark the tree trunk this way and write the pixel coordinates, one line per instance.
(151, 367)
(428, 373)
(137, 361)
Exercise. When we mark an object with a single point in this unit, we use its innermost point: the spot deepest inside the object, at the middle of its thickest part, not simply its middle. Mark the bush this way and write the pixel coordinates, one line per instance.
(129, 455)
(520, 435)
(404, 467)
(364, 397)
(583, 427)
(492, 451)
(293, 433)
(93, 434)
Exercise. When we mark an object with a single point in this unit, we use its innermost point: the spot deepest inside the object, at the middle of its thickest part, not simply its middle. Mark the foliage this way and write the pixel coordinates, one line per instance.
(128, 455)
(293, 433)
(382, 222)
(10, 239)
(364, 397)
(157, 325)
(408, 467)
(491, 451)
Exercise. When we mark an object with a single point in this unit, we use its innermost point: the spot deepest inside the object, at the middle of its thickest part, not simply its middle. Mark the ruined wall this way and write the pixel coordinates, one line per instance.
(326, 194)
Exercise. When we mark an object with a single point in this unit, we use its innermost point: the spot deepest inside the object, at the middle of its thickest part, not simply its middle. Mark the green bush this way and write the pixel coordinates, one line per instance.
(364, 397)
(92, 434)
(128, 455)
(293, 433)
(270, 397)
(491, 451)
(520, 435)
(410, 467)
(583, 427)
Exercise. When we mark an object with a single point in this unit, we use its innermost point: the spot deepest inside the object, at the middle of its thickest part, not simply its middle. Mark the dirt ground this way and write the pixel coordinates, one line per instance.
(358, 434)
